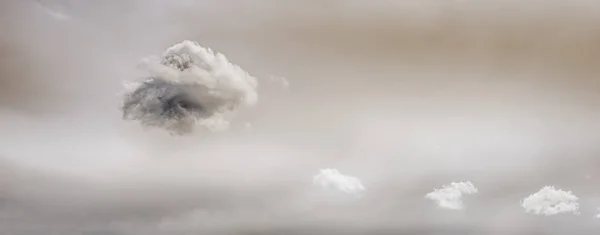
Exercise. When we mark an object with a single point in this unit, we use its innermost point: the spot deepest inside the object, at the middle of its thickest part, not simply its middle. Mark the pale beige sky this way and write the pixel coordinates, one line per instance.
(406, 95)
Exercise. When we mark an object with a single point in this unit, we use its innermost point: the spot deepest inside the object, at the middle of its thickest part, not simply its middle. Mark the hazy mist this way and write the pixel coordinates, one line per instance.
(405, 95)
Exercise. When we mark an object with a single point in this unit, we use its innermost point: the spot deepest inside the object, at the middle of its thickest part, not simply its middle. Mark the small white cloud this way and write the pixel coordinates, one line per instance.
(332, 179)
(550, 201)
(450, 196)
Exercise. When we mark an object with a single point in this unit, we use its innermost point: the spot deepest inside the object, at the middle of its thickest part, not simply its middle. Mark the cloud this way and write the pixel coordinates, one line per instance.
(551, 201)
(189, 86)
(450, 196)
(332, 179)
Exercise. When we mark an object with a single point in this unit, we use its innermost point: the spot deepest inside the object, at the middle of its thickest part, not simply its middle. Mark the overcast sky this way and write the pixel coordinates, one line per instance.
(405, 95)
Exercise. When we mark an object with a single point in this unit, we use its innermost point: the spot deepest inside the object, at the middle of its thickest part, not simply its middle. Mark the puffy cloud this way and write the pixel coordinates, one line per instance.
(551, 201)
(189, 86)
(450, 196)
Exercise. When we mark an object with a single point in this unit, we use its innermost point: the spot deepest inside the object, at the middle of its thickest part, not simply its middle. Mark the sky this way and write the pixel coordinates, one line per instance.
(405, 95)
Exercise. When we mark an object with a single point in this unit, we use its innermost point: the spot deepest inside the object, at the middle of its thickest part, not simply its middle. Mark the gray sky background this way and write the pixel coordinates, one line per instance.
(406, 95)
